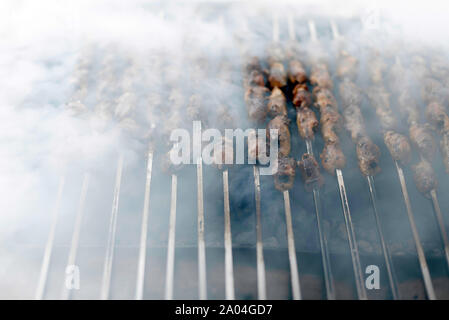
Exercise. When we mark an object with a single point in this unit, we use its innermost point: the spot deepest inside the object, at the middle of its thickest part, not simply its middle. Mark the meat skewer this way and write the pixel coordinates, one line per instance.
(399, 149)
(71, 261)
(422, 139)
(367, 152)
(332, 157)
(308, 166)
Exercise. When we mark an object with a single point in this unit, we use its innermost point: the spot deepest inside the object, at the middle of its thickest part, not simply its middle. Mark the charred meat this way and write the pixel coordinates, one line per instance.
(301, 96)
(320, 76)
(285, 175)
(277, 104)
(422, 138)
(332, 157)
(323, 97)
(398, 146)
(310, 172)
(256, 103)
(347, 66)
(278, 76)
(350, 94)
(368, 154)
(424, 176)
(280, 123)
(307, 123)
(296, 72)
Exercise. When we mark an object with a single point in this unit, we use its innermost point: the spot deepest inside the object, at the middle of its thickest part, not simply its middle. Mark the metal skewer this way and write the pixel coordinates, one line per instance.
(373, 199)
(294, 275)
(386, 252)
(261, 278)
(171, 240)
(144, 231)
(441, 224)
(229, 272)
(421, 257)
(201, 242)
(107, 271)
(42, 283)
(358, 273)
(66, 292)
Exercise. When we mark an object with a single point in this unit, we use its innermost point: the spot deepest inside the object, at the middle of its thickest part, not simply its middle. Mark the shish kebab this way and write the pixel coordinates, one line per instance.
(76, 107)
(367, 152)
(420, 135)
(256, 96)
(399, 149)
(308, 166)
(332, 157)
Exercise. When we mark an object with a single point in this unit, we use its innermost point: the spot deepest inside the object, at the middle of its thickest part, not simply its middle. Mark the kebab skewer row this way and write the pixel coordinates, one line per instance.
(332, 157)
(308, 166)
(367, 152)
(421, 137)
(76, 107)
(400, 150)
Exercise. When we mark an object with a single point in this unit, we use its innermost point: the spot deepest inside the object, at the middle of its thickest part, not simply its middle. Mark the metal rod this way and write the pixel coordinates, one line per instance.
(421, 257)
(261, 277)
(296, 290)
(386, 252)
(325, 256)
(71, 261)
(291, 27)
(144, 231)
(171, 240)
(309, 146)
(201, 242)
(229, 272)
(358, 273)
(42, 283)
(107, 271)
(312, 30)
(441, 224)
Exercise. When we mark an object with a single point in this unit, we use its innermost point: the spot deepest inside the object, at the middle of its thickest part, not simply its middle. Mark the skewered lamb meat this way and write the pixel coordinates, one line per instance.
(330, 124)
(368, 155)
(398, 146)
(354, 122)
(437, 117)
(425, 178)
(301, 96)
(310, 172)
(350, 94)
(256, 100)
(380, 100)
(307, 123)
(281, 123)
(347, 66)
(296, 72)
(422, 138)
(277, 104)
(320, 76)
(332, 157)
(278, 76)
(285, 176)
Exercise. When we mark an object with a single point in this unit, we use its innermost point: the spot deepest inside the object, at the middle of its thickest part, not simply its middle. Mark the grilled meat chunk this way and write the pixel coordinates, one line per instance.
(256, 100)
(408, 107)
(422, 138)
(347, 66)
(320, 76)
(398, 146)
(332, 157)
(280, 123)
(376, 68)
(425, 178)
(285, 175)
(437, 117)
(296, 72)
(330, 124)
(255, 78)
(307, 123)
(433, 90)
(444, 148)
(368, 154)
(277, 104)
(301, 96)
(380, 100)
(253, 64)
(350, 94)
(354, 122)
(278, 76)
(310, 172)
(323, 97)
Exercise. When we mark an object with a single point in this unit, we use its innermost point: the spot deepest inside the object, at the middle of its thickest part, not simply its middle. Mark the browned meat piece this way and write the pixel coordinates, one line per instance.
(354, 122)
(307, 123)
(332, 157)
(277, 104)
(255, 78)
(301, 96)
(296, 72)
(376, 68)
(330, 124)
(423, 139)
(310, 172)
(398, 146)
(222, 159)
(407, 106)
(281, 123)
(444, 148)
(285, 176)
(425, 178)
(323, 97)
(433, 90)
(320, 76)
(278, 76)
(256, 100)
(347, 66)
(368, 155)
(350, 94)
(253, 64)
(437, 117)
(380, 100)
